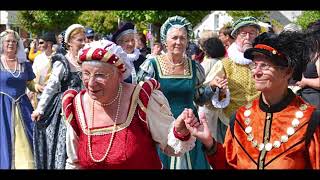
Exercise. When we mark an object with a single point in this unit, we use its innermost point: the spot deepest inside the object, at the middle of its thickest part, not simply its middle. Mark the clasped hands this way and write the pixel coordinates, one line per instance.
(187, 123)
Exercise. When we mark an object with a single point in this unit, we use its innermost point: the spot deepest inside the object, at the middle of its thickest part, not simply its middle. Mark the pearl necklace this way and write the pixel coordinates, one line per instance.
(113, 100)
(113, 131)
(15, 68)
(277, 143)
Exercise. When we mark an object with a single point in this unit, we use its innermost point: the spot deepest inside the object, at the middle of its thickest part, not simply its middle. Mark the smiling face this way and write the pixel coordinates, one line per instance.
(100, 79)
(127, 42)
(10, 44)
(177, 40)
(267, 76)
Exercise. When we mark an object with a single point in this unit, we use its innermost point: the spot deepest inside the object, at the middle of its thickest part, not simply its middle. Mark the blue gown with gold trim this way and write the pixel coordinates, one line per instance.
(16, 126)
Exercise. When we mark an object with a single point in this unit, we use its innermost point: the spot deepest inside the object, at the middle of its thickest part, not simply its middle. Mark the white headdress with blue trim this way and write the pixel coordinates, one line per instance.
(177, 22)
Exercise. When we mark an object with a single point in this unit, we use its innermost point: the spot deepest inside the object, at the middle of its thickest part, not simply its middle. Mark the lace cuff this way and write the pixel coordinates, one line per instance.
(179, 146)
(223, 103)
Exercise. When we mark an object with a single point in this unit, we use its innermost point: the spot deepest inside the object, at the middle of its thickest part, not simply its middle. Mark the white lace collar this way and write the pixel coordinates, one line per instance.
(134, 56)
(237, 56)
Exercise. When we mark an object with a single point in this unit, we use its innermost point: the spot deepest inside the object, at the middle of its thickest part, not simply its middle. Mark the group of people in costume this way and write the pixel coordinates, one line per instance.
(105, 106)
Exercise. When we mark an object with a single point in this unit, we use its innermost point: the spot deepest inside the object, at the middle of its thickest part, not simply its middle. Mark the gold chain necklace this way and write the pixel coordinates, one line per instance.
(268, 146)
(173, 65)
(113, 131)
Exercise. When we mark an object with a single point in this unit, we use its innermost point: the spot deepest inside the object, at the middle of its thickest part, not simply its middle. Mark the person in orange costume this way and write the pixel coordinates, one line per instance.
(278, 130)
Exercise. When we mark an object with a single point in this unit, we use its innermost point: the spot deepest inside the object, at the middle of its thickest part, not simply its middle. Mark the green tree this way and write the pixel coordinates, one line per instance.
(156, 18)
(39, 21)
(102, 22)
(308, 17)
(143, 18)
(261, 15)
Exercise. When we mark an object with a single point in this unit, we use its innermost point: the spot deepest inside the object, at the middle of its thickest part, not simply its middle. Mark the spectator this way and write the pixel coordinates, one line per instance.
(225, 36)
(89, 32)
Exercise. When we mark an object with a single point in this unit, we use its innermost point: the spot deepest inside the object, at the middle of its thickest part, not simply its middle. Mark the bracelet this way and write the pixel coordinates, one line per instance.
(181, 137)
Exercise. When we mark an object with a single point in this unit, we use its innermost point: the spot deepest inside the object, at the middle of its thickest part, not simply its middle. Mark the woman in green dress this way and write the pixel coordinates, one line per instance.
(181, 82)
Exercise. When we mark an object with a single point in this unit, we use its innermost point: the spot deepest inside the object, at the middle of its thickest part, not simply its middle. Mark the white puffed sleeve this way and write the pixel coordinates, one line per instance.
(72, 141)
(161, 122)
(53, 86)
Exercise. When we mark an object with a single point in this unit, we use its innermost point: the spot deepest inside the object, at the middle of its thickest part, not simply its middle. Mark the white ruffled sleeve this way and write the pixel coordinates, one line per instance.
(220, 103)
(161, 122)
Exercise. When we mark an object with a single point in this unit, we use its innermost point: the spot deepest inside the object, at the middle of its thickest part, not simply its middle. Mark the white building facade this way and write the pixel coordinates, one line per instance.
(217, 19)
(212, 22)
(8, 18)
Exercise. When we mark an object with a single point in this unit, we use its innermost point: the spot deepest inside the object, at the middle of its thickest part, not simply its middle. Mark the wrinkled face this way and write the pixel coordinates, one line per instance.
(267, 76)
(245, 37)
(127, 42)
(99, 79)
(177, 40)
(10, 44)
(77, 41)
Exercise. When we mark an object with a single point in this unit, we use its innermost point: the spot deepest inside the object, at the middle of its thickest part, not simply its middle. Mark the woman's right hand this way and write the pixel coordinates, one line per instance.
(36, 116)
(219, 82)
(202, 131)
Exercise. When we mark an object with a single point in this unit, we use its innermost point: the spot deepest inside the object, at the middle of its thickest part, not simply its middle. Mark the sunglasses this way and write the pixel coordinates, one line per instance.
(41, 42)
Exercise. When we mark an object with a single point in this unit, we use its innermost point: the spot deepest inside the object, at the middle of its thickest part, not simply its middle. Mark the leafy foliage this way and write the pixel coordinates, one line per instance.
(308, 17)
(39, 21)
(261, 15)
(143, 18)
(102, 22)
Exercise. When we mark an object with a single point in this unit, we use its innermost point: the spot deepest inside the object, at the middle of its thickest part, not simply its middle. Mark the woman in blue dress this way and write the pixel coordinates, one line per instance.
(181, 82)
(16, 125)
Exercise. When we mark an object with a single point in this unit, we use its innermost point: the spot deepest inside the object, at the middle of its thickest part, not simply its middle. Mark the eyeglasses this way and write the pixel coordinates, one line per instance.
(262, 66)
(11, 41)
(243, 34)
(41, 42)
(99, 77)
